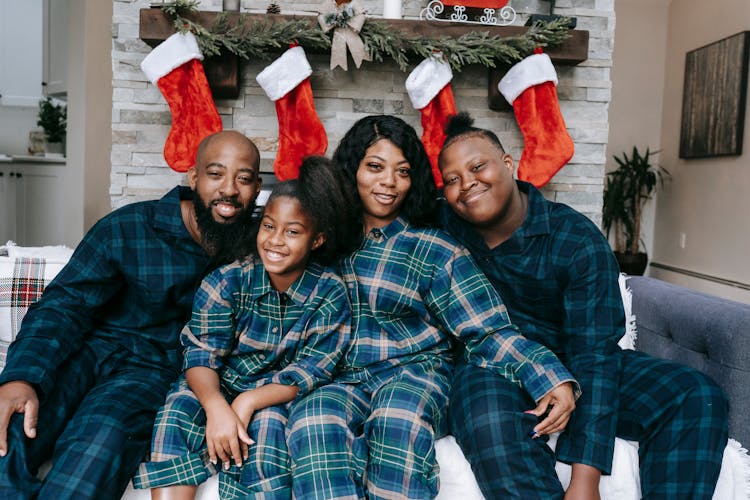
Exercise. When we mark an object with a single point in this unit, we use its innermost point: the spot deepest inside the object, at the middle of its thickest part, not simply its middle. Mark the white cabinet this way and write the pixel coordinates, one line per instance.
(55, 68)
(7, 203)
(20, 52)
(31, 200)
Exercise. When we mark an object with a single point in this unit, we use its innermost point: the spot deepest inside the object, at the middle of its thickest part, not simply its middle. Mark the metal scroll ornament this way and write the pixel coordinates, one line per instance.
(497, 17)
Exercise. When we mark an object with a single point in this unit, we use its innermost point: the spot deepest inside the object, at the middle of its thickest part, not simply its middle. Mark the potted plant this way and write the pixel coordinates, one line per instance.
(52, 117)
(626, 190)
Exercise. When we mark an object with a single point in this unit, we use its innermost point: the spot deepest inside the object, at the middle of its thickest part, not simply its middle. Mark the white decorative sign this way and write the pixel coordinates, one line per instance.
(498, 17)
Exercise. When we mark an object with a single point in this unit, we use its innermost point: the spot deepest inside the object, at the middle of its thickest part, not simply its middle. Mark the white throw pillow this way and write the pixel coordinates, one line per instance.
(24, 273)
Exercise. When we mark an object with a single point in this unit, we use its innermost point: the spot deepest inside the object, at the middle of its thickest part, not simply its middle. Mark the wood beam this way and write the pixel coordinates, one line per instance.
(223, 74)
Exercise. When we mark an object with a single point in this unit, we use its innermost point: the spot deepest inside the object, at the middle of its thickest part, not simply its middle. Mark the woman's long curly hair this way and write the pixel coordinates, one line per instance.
(420, 203)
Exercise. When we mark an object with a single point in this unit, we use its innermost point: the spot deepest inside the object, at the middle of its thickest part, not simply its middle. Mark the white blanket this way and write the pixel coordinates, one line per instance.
(457, 480)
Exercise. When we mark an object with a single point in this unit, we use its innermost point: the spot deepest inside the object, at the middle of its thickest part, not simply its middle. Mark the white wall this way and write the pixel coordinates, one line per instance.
(89, 114)
(637, 87)
(708, 199)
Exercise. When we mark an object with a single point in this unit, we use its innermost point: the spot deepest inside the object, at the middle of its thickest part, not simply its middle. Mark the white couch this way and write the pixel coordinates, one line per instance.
(30, 269)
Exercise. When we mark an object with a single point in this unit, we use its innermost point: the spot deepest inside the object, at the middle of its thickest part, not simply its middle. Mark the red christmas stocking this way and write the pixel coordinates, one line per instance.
(530, 87)
(286, 81)
(428, 86)
(175, 67)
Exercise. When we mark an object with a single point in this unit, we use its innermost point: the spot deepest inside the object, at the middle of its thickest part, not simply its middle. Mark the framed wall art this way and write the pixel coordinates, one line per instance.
(714, 97)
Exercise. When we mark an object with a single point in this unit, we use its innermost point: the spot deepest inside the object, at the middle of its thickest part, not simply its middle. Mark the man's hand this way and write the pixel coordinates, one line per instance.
(17, 397)
(561, 402)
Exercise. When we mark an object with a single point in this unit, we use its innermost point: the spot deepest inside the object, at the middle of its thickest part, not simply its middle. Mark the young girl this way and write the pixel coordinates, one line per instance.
(264, 330)
(413, 289)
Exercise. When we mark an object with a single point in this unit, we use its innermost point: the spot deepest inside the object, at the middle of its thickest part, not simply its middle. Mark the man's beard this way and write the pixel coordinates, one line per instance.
(225, 241)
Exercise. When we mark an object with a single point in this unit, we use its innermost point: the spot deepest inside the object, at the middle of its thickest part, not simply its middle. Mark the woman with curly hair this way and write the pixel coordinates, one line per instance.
(413, 292)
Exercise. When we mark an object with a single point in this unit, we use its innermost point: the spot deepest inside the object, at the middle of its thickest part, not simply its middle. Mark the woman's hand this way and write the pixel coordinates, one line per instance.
(561, 402)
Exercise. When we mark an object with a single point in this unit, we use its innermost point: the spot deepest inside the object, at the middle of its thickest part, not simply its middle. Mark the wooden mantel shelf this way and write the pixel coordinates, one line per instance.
(223, 76)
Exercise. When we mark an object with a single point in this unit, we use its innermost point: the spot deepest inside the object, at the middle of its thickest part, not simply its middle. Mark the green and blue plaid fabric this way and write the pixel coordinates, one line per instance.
(102, 346)
(376, 436)
(252, 335)
(414, 293)
(559, 280)
(129, 284)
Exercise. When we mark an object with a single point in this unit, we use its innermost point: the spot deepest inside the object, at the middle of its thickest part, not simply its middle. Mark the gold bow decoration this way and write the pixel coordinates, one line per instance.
(346, 21)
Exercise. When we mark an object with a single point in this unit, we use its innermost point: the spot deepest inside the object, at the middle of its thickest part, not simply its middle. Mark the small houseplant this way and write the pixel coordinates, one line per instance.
(52, 117)
(626, 190)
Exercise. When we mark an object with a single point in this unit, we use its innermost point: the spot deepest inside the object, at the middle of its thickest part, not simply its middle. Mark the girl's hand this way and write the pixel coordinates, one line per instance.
(226, 437)
(561, 402)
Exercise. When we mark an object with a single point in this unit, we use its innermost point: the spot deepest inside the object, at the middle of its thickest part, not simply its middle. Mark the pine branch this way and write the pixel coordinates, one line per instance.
(380, 40)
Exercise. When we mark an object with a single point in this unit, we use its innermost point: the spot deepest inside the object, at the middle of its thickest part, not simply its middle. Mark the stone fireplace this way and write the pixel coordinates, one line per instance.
(141, 118)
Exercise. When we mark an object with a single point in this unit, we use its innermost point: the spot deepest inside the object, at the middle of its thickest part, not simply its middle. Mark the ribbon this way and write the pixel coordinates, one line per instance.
(346, 21)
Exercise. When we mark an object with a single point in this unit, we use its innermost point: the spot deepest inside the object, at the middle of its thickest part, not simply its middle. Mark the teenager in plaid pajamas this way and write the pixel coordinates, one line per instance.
(96, 354)
(559, 280)
(413, 291)
(265, 329)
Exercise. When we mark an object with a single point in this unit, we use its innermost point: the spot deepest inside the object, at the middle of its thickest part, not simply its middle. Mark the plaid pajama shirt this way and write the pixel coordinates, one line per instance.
(413, 292)
(558, 278)
(101, 348)
(251, 335)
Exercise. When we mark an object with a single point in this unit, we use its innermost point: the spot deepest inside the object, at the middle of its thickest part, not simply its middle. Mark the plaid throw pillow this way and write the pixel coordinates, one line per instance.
(23, 277)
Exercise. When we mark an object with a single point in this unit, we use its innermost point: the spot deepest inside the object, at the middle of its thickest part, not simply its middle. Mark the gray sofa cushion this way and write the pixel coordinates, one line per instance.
(706, 332)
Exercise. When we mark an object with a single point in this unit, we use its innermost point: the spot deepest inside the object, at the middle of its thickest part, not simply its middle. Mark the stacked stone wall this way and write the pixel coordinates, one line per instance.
(141, 117)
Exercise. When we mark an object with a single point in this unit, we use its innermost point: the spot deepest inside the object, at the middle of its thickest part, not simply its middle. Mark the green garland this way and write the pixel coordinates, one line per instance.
(258, 40)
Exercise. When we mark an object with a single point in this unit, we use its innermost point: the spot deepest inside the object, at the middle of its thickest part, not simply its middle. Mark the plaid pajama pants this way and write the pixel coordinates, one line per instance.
(179, 455)
(376, 435)
(678, 415)
(98, 422)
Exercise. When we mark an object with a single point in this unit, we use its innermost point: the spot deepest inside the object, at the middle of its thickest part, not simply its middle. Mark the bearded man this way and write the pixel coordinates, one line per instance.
(96, 354)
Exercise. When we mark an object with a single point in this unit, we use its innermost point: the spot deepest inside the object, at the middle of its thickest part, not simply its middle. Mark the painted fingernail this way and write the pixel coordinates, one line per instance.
(532, 433)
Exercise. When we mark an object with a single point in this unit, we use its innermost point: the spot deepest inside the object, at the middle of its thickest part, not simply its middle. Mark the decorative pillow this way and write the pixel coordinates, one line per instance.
(24, 273)
(628, 340)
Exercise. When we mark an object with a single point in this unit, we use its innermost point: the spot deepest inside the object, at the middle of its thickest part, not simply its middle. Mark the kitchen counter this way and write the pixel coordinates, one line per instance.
(60, 160)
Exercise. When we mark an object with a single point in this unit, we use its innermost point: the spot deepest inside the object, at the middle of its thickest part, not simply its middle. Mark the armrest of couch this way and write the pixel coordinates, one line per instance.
(705, 332)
